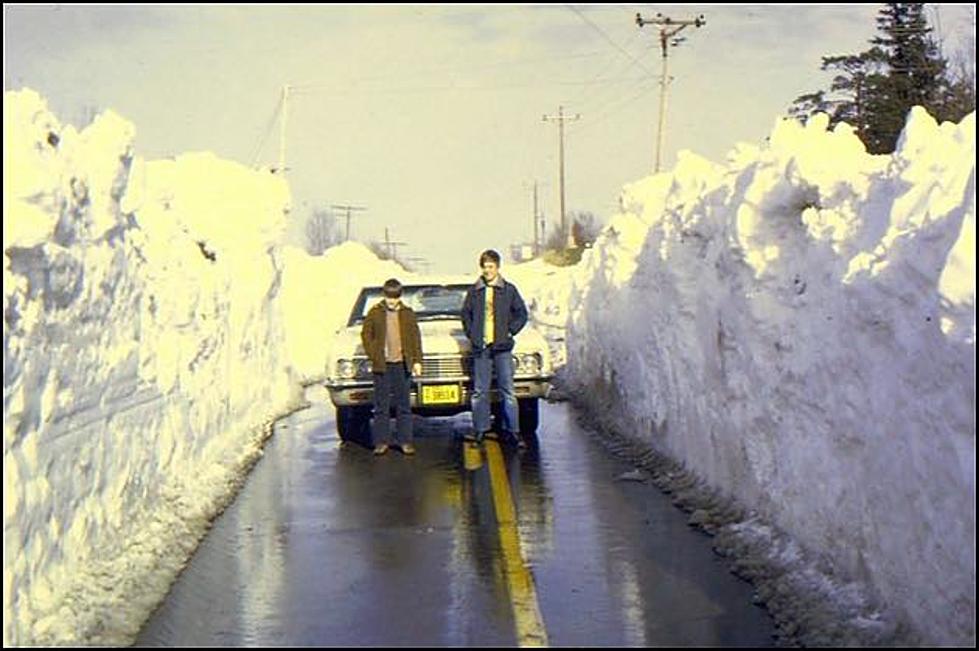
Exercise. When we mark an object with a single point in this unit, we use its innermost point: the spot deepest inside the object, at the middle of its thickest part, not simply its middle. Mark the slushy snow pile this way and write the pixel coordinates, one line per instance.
(153, 328)
(797, 328)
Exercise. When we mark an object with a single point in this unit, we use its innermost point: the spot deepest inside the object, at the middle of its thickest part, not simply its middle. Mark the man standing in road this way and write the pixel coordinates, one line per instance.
(393, 343)
(492, 314)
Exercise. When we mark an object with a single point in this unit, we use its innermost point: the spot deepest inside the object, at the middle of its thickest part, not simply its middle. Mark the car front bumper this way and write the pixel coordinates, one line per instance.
(353, 393)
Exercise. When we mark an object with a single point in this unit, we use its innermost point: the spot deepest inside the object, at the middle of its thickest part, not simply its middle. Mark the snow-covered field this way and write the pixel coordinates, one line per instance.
(797, 327)
(153, 328)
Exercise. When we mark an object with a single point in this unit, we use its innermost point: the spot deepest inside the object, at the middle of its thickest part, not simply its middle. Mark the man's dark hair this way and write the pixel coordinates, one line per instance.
(489, 254)
(392, 288)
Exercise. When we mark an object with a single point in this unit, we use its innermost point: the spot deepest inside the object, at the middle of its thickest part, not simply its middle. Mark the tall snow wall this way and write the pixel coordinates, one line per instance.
(318, 294)
(142, 364)
(797, 327)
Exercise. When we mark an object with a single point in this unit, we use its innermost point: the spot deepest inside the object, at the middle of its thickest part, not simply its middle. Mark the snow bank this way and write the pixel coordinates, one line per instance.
(545, 289)
(798, 328)
(142, 364)
(318, 294)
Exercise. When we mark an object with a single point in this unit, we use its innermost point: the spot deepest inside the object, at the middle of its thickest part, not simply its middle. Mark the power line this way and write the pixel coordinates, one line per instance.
(293, 90)
(605, 36)
(257, 150)
(578, 97)
(612, 108)
(449, 69)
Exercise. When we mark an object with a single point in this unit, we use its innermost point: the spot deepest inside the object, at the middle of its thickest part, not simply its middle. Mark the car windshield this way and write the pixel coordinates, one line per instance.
(428, 301)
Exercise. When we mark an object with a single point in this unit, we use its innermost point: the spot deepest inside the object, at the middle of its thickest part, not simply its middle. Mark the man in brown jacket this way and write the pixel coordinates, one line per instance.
(394, 345)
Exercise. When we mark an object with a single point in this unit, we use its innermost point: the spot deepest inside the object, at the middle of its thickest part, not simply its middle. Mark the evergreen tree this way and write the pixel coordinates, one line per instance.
(874, 90)
(915, 76)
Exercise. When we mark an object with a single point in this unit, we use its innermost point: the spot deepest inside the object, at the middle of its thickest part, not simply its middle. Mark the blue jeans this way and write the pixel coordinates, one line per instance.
(483, 363)
(395, 380)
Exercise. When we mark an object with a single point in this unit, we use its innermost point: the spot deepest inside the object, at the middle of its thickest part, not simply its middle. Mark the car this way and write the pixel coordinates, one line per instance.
(445, 385)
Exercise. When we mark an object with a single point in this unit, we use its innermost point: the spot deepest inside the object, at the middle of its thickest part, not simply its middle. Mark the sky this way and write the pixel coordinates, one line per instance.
(431, 116)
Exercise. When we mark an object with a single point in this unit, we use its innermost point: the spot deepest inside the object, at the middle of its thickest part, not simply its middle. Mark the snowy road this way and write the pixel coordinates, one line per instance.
(328, 545)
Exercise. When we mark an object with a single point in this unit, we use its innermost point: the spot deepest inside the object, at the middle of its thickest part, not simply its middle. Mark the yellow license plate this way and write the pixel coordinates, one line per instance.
(440, 394)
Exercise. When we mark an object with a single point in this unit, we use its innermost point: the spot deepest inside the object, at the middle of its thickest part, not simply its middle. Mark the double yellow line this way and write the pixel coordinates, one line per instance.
(523, 593)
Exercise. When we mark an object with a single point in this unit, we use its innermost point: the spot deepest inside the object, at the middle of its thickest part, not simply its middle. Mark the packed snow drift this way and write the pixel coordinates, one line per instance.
(153, 328)
(797, 327)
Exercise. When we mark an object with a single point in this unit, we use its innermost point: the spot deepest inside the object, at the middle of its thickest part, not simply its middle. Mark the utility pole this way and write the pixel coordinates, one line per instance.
(560, 118)
(536, 218)
(348, 209)
(282, 130)
(668, 28)
(392, 246)
(536, 214)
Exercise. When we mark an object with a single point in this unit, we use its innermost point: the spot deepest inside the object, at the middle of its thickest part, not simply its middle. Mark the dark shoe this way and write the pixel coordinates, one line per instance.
(491, 436)
(380, 449)
(513, 439)
(408, 449)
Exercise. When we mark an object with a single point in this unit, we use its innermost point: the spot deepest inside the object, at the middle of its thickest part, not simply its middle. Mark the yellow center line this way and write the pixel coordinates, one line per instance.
(523, 594)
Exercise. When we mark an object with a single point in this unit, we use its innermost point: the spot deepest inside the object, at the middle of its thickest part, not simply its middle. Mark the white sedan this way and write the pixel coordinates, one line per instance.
(445, 385)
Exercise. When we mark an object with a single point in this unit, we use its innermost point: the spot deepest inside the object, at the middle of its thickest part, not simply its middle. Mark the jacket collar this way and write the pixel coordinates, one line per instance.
(382, 306)
(498, 282)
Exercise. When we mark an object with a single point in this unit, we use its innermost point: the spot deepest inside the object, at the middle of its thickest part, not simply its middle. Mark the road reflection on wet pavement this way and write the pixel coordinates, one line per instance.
(328, 545)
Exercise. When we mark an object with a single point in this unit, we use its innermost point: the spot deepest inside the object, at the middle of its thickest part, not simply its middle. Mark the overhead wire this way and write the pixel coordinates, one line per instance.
(306, 88)
(608, 38)
(257, 150)
(611, 109)
(581, 101)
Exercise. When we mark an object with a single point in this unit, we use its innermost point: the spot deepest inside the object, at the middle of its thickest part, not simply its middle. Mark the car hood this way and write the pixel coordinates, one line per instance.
(444, 337)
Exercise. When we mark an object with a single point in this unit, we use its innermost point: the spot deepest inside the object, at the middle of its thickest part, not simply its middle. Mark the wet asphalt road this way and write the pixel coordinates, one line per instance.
(327, 545)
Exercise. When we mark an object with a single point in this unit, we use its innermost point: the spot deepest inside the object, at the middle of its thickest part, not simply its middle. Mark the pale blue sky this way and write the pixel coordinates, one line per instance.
(431, 115)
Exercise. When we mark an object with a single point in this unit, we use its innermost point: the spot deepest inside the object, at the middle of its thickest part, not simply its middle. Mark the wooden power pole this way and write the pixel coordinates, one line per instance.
(560, 119)
(282, 130)
(668, 28)
(392, 246)
(348, 210)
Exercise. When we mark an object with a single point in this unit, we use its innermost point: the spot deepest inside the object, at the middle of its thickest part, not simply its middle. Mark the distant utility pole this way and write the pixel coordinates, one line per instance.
(668, 28)
(282, 130)
(348, 209)
(536, 217)
(392, 246)
(560, 118)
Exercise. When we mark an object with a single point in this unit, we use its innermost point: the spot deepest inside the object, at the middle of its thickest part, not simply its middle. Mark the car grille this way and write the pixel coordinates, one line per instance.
(445, 367)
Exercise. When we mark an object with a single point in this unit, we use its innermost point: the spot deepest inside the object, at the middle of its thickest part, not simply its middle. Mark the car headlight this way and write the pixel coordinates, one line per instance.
(346, 369)
(528, 364)
(364, 368)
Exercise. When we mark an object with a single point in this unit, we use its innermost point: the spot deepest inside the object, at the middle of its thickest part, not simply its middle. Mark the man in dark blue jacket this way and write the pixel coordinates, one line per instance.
(492, 314)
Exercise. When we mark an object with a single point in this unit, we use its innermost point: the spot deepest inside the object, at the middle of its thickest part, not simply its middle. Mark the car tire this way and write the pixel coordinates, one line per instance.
(354, 424)
(529, 412)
